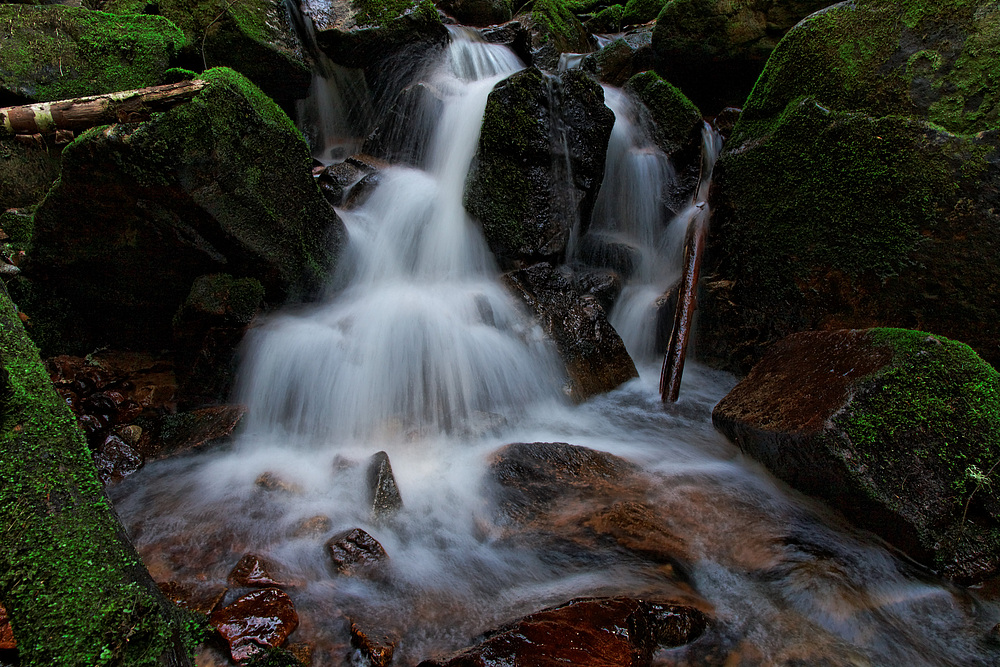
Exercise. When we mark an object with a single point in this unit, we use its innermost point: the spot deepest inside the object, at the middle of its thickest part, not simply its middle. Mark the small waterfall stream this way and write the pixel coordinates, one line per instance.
(422, 354)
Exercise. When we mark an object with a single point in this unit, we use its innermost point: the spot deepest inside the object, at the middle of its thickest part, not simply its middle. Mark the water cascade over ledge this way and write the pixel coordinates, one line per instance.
(419, 352)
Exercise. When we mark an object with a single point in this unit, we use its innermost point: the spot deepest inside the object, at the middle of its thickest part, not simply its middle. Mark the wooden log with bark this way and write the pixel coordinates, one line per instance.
(128, 106)
(687, 302)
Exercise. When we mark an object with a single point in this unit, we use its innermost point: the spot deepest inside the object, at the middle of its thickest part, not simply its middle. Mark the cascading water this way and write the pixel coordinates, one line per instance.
(421, 354)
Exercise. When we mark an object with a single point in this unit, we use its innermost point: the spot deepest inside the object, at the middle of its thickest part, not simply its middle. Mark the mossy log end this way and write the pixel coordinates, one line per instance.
(129, 106)
(74, 587)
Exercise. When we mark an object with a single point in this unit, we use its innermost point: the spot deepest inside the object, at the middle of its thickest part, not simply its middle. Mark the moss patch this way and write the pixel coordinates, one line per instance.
(67, 578)
(56, 52)
(556, 25)
(678, 120)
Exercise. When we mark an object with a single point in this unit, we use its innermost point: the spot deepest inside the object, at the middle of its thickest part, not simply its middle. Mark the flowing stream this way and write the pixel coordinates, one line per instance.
(422, 354)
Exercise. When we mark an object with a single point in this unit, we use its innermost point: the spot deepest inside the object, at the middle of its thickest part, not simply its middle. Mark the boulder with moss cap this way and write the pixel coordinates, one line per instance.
(554, 30)
(253, 37)
(219, 184)
(898, 429)
(852, 193)
(55, 52)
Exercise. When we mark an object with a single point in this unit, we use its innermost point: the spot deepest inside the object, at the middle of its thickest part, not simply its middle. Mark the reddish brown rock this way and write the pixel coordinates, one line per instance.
(200, 598)
(254, 572)
(595, 632)
(260, 619)
(355, 552)
(115, 460)
(378, 652)
(7, 640)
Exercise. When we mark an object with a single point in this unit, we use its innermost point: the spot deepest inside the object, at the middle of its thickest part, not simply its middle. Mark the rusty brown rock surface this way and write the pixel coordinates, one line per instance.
(254, 571)
(7, 640)
(595, 632)
(260, 619)
(355, 552)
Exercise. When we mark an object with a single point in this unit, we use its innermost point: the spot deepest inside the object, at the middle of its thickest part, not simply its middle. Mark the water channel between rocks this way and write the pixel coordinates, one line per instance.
(421, 353)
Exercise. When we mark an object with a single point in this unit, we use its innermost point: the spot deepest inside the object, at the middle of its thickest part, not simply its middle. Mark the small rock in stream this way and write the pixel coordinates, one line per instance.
(355, 552)
(377, 653)
(200, 598)
(254, 572)
(385, 499)
(255, 621)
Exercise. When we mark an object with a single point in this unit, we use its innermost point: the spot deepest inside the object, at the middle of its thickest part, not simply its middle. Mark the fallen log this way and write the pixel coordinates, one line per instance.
(687, 302)
(127, 106)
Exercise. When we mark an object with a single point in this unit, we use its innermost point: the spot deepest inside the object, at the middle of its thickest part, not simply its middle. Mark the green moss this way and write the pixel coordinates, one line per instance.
(238, 299)
(608, 19)
(379, 12)
(678, 120)
(56, 52)
(641, 11)
(66, 578)
(557, 24)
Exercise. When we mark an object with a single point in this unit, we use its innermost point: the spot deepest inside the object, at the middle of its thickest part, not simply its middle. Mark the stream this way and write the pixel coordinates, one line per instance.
(419, 351)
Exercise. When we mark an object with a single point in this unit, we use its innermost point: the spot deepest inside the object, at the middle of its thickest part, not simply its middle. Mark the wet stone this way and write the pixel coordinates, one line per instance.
(199, 598)
(589, 632)
(355, 552)
(268, 481)
(254, 572)
(115, 460)
(314, 526)
(377, 652)
(258, 620)
(385, 499)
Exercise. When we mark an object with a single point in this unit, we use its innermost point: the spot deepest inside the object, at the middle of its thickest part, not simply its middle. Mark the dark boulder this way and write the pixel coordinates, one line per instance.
(56, 52)
(355, 552)
(193, 430)
(256, 621)
(384, 495)
(595, 356)
(620, 59)
(27, 171)
(519, 186)
(201, 598)
(588, 632)
(895, 428)
(554, 30)
(714, 50)
(477, 12)
(220, 183)
(401, 137)
(513, 35)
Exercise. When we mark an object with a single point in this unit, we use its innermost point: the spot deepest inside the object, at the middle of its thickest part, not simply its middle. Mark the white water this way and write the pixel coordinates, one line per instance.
(424, 356)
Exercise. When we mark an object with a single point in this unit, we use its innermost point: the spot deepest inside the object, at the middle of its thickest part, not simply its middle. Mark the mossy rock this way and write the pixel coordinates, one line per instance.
(554, 30)
(361, 33)
(56, 52)
(850, 207)
(678, 121)
(479, 13)
(938, 61)
(622, 58)
(219, 184)
(517, 185)
(26, 171)
(898, 429)
(637, 12)
(254, 37)
(74, 588)
(607, 20)
(714, 50)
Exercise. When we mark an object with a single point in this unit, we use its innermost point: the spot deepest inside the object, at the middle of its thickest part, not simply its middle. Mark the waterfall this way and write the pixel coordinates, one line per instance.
(423, 337)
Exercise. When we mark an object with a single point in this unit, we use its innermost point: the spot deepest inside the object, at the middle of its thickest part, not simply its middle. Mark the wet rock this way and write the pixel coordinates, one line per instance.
(378, 652)
(604, 632)
(608, 20)
(262, 618)
(172, 199)
(606, 252)
(254, 572)
(714, 50)
(200, 598)
(595, 357)
(7, 640)
(313, 526)
(208, 329)
(532, 476)
(517, 187)
(337, 180)
(269, 481)
(401, 137)
(849, 415)
(908, 244)
(513, 35)
(355, 552)
(116, 460)
(477, 12)
(666, 309)
(362, 190)
(726, 120)
(605, 286)
(385, 500)
(639, 528)
(56, 53)
(622, 58)
(196, 429)
(554, 30)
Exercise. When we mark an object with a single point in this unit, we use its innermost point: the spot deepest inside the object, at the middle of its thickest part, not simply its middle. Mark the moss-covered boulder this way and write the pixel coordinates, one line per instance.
(519, 186)
(478, 12)
(622, 58)
(715, 49)
(253, 37)
(362, 33)
(855, 200)
(607, 20)
(56, 52)
(898, 429)
(73, 587)
(219, 184)
(27, 171)
(637, 12)
(554, 30)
